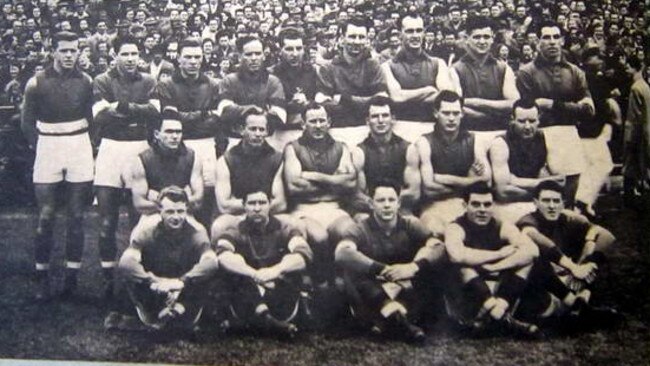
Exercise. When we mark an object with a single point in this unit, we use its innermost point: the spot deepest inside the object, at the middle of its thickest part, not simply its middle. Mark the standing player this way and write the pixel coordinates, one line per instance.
(386, 257)
(385, 156)
(487, 84)
(195, 96)
(488, 252)
(560, 90)
(122, 110)
(264, 256)
(166, 263)
(252, 163)
(56, 117)
(448, 161)
(413, 77)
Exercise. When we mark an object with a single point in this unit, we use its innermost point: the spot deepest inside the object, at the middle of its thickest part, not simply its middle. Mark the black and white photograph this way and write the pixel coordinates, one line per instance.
(324, 182)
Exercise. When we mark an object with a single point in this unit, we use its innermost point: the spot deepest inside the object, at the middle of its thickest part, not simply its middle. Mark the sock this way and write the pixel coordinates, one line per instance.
(510, 288)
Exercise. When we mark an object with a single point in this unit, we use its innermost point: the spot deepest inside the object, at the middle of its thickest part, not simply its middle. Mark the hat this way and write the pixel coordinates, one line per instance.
(151, 22)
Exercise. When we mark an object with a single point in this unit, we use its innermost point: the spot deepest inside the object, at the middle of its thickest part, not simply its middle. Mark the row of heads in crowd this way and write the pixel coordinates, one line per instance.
(618, 31)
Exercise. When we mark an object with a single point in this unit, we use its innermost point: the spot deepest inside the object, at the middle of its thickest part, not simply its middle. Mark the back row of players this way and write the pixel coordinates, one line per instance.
(320, 181)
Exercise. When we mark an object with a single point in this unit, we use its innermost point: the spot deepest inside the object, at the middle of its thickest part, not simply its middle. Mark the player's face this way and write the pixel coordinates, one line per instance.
(385, 203)
(380, 119)
(292, 51)
(257, 207)
(551, 42)
(252, 57)
(355, 40)
(449, 116)
(189, 60)
(479, 208)
(412, 33)
(317, 124)
(526, 122)
(255, 130)
(550, 204)
(66, 54)
(127, 58)
(173, 214)
(480, 40)
(170, 134)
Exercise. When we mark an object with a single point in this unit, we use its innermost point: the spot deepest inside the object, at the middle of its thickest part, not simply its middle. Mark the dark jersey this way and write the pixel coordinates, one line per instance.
(481, 237)
(568, 232)
(322, 156)
(252, 170)
(163, 169)
(454, 158)
(384, 161)
(60, 97)
(526, 158)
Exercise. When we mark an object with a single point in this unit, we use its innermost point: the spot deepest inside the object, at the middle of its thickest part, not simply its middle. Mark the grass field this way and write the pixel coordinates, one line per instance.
(73, 331)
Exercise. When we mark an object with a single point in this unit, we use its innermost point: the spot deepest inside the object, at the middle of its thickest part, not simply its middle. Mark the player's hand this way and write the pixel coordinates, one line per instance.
(586, 272)
(478, 168)
(399, 272)
(544, 103)
(321, 98)
(167, 285)
(507, 251)
(265, 275)
(299, 98)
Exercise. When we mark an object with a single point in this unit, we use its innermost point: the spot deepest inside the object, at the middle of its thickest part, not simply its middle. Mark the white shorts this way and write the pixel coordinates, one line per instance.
(483, 140)
(206, 151)
(60, 158)
(446, 210)
(564, 148)
(113, 163)
(512, 211)
(325, 213)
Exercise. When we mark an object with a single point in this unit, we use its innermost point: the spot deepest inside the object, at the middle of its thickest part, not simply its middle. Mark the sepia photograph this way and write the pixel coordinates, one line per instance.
(324, 182)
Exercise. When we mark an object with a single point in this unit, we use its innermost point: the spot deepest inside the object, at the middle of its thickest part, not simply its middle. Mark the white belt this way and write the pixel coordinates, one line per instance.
(75, 127)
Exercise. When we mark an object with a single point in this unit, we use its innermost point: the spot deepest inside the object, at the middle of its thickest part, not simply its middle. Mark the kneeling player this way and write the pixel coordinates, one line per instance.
(572, 252)
(166, 263)
(265, 257)
(384, 257)
(488, 252)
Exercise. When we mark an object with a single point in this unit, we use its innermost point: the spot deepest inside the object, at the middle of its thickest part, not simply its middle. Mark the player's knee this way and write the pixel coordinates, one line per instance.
(344, 251)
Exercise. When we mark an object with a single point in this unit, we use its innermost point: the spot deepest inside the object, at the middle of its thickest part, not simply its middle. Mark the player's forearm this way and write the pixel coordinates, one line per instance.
(291, 263)
(434, 189)
(232, 206)
(355, 261)
(522, 257)
(278, 205)
(574, 110)
(206, 267)
(28, 123)
(489, 106)
(144, 205)
(430, 254)
(408, 95)
(475, 257)
(457, 181)
(235, 263)
(133, 271)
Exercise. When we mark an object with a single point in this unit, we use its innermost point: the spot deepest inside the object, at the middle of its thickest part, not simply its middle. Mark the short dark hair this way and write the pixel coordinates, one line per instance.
(385, 183)
(312, 105)
(254, 190)
(524, 103)
(547, 24)
(120, 41)
(379, 101)
(243, 41)
(548, 185)
(167, 113)
(477, 22)
(447, 96)
(476, 188)
(189, 42)
(635, 62)
(290, 33)
(174, 194)
(64, 36)
(357, 21)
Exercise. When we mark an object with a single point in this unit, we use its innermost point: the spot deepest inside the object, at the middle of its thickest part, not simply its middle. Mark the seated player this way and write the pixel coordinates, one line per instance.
(318, 170)
(492, 260)
(448, 161)
(572, 253)
(383, 155)
(385, 257)
(519, 163)
(264, 256)
(252, 162)
(167, 162)
(166, 263)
